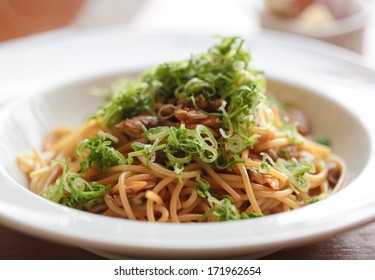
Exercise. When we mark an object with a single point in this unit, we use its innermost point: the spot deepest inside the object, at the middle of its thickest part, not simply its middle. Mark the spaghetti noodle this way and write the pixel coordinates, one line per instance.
(196, 140)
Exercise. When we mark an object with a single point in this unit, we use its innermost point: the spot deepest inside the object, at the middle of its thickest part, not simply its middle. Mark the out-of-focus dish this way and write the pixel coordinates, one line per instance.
(327, 20)
(330, 116)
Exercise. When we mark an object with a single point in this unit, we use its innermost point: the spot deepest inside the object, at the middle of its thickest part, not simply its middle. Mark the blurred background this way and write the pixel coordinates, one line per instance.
(347, 23)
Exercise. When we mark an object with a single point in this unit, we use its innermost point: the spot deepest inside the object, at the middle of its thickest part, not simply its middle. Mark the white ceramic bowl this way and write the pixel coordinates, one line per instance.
(332, 88)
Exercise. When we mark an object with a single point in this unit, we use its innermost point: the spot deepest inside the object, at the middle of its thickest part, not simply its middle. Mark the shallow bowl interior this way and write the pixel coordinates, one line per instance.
(27, 123)
(349, 138)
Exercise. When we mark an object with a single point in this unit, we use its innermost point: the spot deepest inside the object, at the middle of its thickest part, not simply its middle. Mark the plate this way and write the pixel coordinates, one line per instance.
(49, 76)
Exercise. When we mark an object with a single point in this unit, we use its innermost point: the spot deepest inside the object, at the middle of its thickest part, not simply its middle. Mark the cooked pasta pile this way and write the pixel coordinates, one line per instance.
(198, 140)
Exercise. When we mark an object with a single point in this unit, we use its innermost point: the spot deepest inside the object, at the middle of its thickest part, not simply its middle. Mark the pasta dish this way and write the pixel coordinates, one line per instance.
(197, 140)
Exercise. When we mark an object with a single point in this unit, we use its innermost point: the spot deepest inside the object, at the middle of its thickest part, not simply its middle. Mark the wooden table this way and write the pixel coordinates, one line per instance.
(358, 244)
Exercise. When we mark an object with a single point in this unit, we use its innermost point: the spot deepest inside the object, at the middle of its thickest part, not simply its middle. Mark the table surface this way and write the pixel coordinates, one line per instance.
(357, 244)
